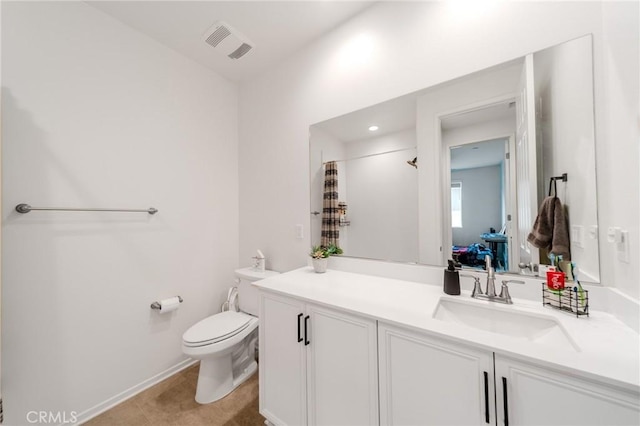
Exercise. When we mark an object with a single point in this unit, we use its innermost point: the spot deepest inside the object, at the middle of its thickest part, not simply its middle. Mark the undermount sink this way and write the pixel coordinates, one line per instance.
(501, 320)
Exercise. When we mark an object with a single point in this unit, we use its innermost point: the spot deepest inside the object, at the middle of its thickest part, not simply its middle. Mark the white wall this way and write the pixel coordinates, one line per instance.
(382, 199)
(97, 115)
(565, 131)
(0, 209)
(481, 203)
(617, 146)
(479, 132)
(404, 47)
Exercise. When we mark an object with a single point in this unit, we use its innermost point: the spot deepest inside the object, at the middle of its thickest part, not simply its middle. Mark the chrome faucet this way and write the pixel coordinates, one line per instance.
(491, 279)
(490, 290)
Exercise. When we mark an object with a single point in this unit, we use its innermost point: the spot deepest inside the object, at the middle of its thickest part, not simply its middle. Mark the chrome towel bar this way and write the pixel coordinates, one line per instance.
(26, 208)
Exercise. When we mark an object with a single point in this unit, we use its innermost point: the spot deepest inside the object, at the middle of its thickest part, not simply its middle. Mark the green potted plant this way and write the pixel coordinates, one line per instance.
(320, 256)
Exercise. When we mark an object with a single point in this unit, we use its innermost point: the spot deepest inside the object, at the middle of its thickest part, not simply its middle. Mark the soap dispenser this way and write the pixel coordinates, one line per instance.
(451, 280)
(260, 261)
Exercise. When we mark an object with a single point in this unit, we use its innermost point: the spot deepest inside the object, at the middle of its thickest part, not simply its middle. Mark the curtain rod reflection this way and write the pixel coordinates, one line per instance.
(370, 155)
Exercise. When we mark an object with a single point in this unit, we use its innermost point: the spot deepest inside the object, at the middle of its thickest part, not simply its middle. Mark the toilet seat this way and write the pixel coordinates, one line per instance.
(217, 328)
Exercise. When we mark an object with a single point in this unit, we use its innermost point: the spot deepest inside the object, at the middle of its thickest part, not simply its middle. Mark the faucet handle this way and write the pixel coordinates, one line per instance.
(504, 291)
(477, 290)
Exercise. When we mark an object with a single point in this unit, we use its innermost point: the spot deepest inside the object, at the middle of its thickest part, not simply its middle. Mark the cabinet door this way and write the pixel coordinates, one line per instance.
(342, 369)
(427, 381)
(537, 396)
(282, 361)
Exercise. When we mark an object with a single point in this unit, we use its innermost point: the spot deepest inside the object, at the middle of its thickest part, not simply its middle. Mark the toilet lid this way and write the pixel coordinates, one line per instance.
(217, 327)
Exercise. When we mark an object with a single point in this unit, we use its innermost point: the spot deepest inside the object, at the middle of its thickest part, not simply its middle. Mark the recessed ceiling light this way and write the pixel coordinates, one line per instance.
(373, 128)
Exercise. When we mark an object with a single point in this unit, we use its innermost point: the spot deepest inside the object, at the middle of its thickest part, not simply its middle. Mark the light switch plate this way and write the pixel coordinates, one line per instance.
(611, 234)
(577, 235)
(299, 232)
(622, 246)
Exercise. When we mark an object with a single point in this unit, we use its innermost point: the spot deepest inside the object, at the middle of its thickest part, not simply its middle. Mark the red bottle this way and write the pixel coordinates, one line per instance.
(555, 280)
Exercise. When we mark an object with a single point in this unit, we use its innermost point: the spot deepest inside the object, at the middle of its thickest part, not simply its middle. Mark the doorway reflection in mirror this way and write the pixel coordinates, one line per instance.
(478, 204)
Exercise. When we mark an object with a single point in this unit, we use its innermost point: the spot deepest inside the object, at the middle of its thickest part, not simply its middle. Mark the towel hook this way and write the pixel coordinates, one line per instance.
(553, 181)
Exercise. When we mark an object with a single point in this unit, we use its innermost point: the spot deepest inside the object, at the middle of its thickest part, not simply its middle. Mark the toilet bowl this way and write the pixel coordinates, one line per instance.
(225, 343)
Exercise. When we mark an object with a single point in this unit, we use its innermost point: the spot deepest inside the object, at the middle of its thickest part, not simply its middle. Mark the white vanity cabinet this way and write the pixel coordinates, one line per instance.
(539, 396)
(426, 380)
(318, 366)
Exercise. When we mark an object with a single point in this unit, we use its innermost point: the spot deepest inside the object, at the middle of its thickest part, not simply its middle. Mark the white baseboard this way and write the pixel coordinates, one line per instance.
(132, 391)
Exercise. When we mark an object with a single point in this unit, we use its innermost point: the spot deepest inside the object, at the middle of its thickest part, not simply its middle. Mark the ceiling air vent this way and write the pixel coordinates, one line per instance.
(227, 40)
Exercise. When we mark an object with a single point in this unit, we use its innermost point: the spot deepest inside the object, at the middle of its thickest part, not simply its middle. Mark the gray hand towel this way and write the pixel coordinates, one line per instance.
(550, 230)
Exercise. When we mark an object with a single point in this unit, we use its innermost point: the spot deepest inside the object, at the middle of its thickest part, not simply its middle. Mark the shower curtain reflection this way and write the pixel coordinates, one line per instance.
(330, 234)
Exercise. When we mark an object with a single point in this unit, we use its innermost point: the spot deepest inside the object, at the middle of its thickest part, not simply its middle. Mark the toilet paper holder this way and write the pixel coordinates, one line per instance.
(156, 305)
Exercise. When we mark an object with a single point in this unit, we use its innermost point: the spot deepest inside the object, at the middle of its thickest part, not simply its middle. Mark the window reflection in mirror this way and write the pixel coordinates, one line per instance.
(456, 203)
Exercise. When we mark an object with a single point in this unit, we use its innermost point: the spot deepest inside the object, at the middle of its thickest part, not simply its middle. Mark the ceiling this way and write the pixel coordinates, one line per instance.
(401, 113)
(277, 29)
(480, 154)
(391, 116)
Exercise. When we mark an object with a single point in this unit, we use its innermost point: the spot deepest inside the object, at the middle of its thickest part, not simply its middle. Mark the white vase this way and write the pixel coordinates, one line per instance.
(320, 265)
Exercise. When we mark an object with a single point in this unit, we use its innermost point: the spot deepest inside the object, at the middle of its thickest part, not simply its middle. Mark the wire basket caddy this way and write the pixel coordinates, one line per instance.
(571, 299)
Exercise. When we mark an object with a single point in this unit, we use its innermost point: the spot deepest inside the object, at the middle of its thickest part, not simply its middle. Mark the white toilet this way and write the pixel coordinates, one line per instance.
(225, 343)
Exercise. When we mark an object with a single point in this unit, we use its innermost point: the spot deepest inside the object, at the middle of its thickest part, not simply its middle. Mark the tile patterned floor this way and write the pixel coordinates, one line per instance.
(171, 402)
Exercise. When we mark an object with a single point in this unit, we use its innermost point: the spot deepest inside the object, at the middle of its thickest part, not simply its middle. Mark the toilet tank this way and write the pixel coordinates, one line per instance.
(247, 293)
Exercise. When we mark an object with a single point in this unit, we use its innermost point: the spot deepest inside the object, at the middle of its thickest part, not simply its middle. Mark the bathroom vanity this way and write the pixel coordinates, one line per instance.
(347, 348)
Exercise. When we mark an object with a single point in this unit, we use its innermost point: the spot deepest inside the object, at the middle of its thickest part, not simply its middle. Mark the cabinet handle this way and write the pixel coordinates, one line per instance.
(306, 330)
(486, 397)
(504, 401)
(299, 336)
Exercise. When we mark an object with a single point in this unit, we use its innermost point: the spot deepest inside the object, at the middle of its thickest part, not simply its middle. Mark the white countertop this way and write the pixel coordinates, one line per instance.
(609, 351)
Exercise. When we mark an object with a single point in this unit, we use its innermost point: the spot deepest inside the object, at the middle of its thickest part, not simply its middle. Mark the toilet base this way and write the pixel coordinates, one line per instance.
(215, 379)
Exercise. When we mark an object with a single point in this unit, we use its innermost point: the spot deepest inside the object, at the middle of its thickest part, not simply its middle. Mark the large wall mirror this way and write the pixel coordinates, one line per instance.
(460, 169)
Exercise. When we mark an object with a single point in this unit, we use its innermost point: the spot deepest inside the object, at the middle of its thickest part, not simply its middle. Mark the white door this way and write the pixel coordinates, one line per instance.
(282, 360)
(511, 206)
(526, 159)
(425, 381)
(342, 369)
(528, 395)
